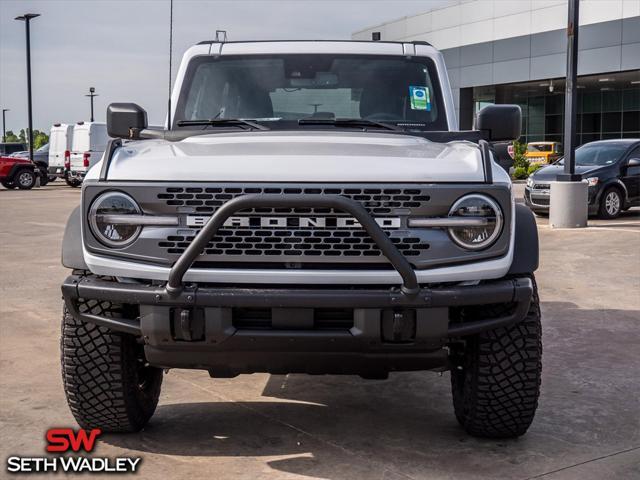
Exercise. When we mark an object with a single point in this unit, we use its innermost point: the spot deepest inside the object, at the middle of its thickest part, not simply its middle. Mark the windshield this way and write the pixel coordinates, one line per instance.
(598, 154)
(532, 147)
(43, 149)
(284, 89)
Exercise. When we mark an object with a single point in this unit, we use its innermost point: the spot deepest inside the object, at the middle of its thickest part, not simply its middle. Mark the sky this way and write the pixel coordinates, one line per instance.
(120, 47)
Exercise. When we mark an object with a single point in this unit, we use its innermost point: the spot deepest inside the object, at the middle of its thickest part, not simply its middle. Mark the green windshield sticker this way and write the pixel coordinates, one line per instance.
(420, 98)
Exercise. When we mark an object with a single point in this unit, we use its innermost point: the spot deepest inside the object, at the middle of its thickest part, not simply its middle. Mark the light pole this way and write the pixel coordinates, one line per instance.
(4, 124)
(92, 93)
(569, 194)
(26, 18)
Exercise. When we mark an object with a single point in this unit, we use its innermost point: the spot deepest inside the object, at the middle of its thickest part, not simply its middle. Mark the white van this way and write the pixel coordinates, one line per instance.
(89, 142)
(59, 146)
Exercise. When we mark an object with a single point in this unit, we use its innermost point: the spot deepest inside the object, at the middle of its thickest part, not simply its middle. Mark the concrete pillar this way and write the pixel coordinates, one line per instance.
(569, 204)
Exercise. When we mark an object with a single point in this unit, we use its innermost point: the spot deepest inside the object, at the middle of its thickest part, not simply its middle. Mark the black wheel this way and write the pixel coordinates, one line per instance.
(25, 179)
(8, 185)
(72, 182)
(107, 382)
(495, 379)
(611, 204)
(51, 178)
(42, 173)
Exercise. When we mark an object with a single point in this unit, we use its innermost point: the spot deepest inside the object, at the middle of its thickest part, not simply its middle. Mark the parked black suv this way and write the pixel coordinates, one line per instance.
(612, 169)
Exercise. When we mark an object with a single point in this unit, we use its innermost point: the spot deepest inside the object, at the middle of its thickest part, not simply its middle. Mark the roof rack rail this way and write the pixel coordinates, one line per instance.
(421, 42)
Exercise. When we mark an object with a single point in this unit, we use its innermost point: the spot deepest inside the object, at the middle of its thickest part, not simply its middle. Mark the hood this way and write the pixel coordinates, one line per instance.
(16, 159)
(298, 157)
(550, 172)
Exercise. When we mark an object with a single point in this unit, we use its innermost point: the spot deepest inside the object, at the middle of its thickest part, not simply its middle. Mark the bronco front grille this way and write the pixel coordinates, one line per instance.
(305, 243)
(375, 200)
(297, 238)
(270, 242)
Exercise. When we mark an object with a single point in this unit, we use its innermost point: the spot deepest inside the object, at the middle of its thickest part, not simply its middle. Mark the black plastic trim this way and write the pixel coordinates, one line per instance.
(516, 290)
(485, 150)
(108, 155)
(526, 248)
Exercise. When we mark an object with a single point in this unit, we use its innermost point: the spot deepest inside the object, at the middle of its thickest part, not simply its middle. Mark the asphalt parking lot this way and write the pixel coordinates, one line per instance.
(261, 426)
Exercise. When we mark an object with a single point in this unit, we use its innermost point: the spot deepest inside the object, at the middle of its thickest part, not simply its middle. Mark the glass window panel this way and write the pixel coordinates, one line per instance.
(579, 106)
(553, 124)
(612, 122)
(630, 121)
(631, 134)
(607, 136)
(591, 102)
(590, 122)
(553, 104)
(631, 99)
(612, 101)
(590, 137)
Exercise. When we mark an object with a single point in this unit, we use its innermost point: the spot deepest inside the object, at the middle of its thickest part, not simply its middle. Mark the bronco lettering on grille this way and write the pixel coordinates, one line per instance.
(295, 222)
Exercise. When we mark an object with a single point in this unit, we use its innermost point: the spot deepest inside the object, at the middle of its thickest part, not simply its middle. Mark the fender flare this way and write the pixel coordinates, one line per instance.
(72, 256)
(526, 246)
(16, 167)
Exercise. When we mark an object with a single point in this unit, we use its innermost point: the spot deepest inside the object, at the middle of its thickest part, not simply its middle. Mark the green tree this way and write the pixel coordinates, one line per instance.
(519, 158)
(39, 139)
(11, 137)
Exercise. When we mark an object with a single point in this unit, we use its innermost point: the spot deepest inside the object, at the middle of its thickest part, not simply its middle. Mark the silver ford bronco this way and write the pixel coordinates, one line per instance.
(309, 207)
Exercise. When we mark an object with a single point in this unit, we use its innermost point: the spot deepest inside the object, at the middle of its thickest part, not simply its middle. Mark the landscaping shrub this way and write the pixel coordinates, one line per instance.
(520, 173)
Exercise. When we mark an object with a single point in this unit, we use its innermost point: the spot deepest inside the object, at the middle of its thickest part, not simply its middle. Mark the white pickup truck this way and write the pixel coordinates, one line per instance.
(308, 208)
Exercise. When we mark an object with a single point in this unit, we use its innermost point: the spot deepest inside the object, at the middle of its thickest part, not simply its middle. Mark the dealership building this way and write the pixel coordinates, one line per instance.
(514, 51)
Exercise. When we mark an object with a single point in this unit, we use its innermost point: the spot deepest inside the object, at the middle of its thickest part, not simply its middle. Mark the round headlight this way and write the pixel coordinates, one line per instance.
(489, 217)
(104, 223)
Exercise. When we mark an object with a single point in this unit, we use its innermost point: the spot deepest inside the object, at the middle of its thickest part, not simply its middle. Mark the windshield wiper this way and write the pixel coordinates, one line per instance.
(222, 122)
(348, 122)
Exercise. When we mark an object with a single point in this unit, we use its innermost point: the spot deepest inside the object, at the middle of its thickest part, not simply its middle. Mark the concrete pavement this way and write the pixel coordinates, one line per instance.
(296, 426)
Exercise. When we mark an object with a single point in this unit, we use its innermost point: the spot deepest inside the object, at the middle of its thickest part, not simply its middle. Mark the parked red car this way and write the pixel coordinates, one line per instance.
(18, 172)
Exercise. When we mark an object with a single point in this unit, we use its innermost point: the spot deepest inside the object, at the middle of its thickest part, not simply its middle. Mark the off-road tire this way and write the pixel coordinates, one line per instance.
(105, 379)
(42, 173)
(495, 378)
(9, 185)
(608, 209)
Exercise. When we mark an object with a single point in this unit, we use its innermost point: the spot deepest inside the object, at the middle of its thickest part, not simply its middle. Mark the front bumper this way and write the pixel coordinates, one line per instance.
(540, 200)
(214, 334)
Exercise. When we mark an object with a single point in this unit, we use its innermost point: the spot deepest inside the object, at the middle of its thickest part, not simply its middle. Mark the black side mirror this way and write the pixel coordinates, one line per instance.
(501, 122)
(633, 162)
(122, 118)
